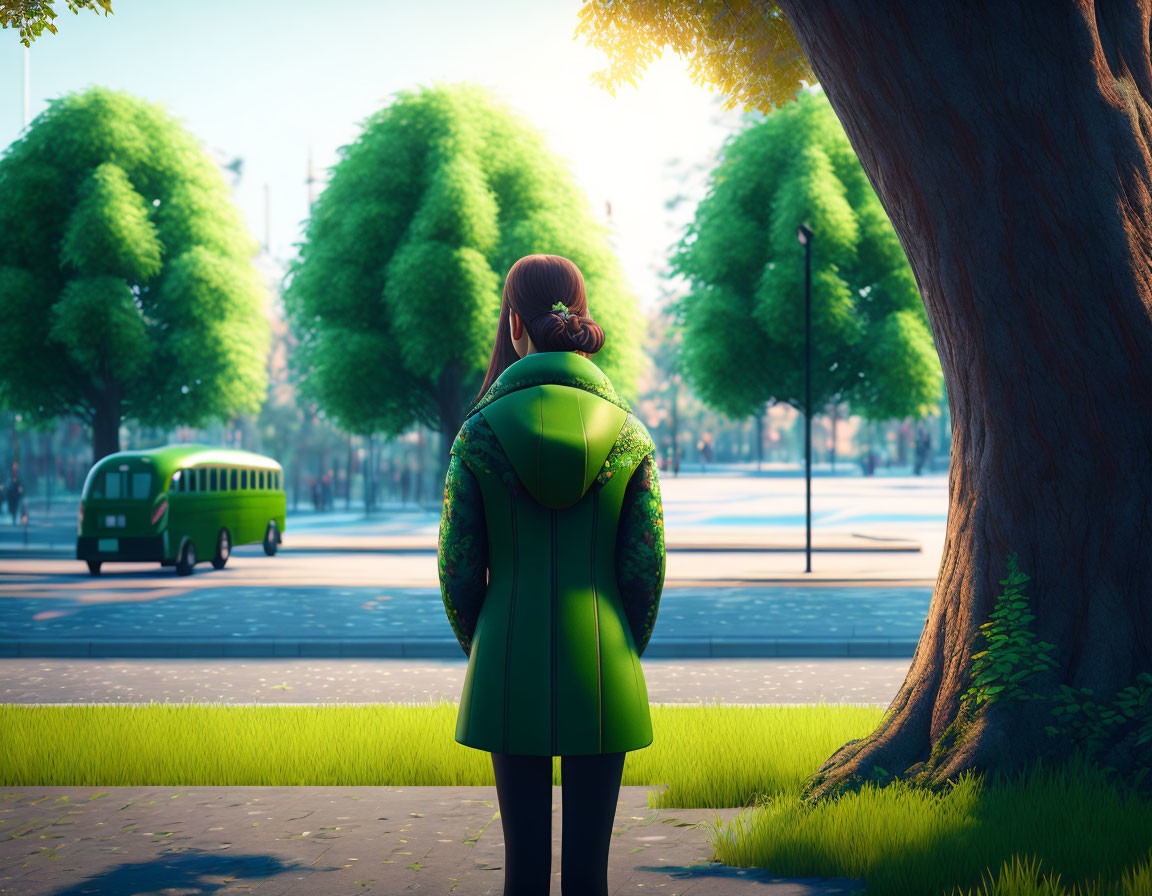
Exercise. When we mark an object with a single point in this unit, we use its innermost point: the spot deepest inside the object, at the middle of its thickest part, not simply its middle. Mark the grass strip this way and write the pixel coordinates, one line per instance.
(701, 752)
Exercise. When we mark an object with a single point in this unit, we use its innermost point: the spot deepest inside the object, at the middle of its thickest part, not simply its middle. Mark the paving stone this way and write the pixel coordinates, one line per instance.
(284, 841)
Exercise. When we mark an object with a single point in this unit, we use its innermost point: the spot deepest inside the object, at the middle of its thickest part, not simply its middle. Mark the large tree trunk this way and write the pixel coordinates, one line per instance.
(1009, 144)
(106, 423)
(450, 402)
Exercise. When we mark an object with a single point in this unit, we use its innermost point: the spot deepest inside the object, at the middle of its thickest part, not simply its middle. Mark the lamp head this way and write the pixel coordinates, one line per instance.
(803, 234)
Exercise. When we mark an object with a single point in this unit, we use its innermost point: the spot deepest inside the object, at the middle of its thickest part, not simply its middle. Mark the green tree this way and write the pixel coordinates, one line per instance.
(396, 291)
(1011, 153)
(31, 18)
(126, 282)
(743, 317)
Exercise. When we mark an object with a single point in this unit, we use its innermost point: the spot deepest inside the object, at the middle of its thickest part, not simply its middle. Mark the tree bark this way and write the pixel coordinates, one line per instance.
(1009, 143)
(450, 401)
(106, 422)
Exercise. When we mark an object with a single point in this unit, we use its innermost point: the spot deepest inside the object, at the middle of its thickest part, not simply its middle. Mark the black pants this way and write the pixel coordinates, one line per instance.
(591, 787)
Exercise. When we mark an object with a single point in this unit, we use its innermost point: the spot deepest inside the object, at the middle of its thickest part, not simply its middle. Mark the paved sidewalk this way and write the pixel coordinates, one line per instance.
(725, 539)
(270, 682)
(65, 841)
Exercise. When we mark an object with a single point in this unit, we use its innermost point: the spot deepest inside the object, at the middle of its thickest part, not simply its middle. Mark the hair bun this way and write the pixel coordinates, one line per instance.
(553, 331)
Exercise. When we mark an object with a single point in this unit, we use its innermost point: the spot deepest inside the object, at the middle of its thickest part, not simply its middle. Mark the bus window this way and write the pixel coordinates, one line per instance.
(112, 485)
(212, 480)
(193, 480)
(233, 477)
(174, 484)
(261, 480)
(141, 485)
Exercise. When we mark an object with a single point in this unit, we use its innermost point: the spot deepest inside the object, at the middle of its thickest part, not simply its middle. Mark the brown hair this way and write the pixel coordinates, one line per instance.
(533, 285)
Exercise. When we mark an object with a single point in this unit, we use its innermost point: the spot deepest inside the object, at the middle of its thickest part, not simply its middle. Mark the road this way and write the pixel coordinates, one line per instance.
(329, 605)
(346, 586)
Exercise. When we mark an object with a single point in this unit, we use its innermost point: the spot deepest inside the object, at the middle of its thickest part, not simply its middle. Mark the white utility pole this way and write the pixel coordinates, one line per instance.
(27, 86)
(311, 179)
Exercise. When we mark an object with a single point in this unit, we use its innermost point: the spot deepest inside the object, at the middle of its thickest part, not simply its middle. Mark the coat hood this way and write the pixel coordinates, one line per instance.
(557, 417)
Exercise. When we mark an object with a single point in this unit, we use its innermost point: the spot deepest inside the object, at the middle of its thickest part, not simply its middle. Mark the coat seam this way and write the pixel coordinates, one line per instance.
(596, 618)
(554, 613)
(584, 436)
(511, 614)
(540, 449)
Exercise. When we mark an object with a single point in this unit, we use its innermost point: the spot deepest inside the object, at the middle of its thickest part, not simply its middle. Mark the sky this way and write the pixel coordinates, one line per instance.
(267, 79)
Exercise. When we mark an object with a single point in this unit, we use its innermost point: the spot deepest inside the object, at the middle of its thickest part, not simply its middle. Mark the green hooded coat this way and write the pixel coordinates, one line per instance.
(551, 560)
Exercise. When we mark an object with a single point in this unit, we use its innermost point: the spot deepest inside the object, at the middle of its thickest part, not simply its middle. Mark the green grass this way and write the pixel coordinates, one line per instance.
(401, 744)
(1067, 824)
(1052, 832)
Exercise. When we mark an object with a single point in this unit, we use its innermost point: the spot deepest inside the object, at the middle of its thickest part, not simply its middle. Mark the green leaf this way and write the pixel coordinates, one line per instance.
(109, 231)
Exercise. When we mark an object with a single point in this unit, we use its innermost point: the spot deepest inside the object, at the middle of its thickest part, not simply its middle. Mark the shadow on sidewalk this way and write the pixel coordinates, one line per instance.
(186, 872)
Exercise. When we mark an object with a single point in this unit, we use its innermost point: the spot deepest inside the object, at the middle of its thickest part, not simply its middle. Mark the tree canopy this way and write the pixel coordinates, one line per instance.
(31, 18)
(743, 318)
(744, 48)
(126, 281)
(396, 291)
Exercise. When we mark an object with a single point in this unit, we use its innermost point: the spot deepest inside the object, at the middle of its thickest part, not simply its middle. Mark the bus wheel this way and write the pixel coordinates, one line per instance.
(187, 558)
(223, 549)
(271, 538)
(94, 567)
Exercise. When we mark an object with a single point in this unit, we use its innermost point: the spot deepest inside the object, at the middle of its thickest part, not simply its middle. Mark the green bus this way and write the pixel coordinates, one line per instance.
(178, 505)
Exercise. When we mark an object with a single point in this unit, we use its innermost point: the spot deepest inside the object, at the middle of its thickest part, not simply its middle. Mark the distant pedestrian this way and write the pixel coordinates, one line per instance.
(405, 484)
(326, 490)
(923, 447)
(14, 493)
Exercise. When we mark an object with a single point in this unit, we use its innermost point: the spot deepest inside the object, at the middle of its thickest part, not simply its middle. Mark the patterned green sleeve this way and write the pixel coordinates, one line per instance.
(462, 551)
(640, 551)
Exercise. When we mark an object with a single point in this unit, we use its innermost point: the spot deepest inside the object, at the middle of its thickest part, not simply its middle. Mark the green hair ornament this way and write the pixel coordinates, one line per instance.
(561, 309)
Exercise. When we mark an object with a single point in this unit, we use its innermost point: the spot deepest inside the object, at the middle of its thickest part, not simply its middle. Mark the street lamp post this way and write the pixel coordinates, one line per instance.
(804, 235)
